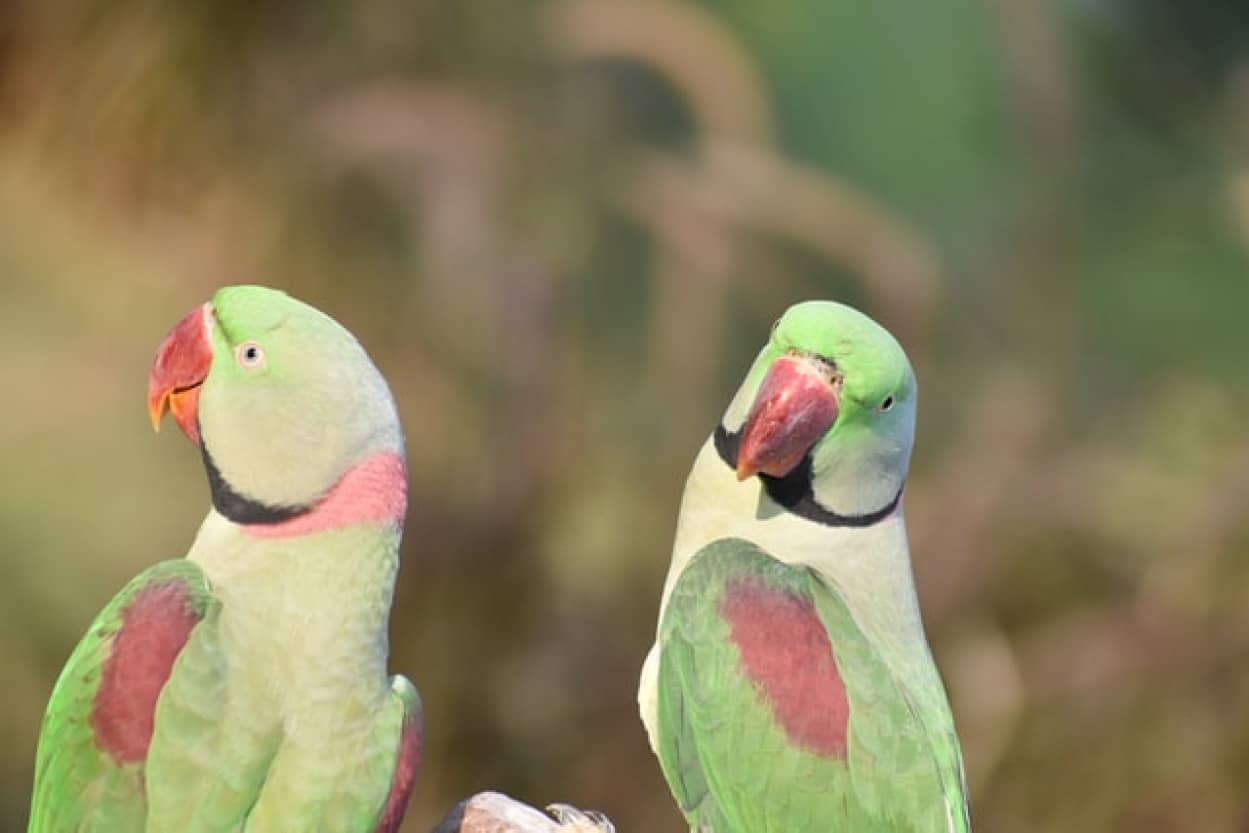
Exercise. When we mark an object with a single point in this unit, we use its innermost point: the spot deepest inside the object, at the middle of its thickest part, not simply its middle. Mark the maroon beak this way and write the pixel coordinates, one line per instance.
(795, 406)
(181, 365)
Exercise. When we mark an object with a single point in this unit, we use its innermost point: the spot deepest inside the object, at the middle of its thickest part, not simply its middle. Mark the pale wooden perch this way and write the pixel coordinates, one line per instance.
(492, 812)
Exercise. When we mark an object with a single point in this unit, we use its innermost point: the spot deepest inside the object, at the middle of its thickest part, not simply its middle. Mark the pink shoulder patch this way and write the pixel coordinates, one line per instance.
(375, 491)
(154, 628)
(786, 653)
(406, 770)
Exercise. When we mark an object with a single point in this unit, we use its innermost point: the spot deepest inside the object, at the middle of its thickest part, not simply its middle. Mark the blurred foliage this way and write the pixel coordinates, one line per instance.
(562, 229)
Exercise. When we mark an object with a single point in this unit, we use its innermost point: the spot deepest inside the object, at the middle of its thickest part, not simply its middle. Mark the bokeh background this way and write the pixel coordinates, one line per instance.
(562, 228)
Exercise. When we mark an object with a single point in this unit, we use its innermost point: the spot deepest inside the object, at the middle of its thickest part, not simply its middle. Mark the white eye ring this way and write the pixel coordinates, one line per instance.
(886, 405)
(250, 355)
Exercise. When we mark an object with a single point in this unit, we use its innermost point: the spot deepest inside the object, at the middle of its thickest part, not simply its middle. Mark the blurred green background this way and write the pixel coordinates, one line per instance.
(562, 229)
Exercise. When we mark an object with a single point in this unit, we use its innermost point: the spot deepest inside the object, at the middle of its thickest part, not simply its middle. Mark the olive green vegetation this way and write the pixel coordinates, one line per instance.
(563, 229)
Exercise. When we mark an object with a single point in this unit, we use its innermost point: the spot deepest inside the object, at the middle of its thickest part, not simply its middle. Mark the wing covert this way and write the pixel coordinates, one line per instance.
(100, 717)
(776, 714)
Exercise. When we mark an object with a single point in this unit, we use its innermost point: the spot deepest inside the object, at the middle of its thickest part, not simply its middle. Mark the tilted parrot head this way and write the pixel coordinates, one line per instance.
(828, 408)
(280, 398)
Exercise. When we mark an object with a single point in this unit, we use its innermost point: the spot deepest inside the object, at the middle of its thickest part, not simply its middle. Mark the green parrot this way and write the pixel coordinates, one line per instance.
(244, 687)
(790, 688)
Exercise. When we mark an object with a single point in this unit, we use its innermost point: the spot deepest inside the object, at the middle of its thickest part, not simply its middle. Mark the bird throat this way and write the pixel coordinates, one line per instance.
(795, 491)
(240, 508)
(374, 491)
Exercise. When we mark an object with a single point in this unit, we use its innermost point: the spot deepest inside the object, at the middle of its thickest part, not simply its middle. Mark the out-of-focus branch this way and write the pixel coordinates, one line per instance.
(492, 812)
(737, 187)
(441, 150)
(750, 188)
(687, 45)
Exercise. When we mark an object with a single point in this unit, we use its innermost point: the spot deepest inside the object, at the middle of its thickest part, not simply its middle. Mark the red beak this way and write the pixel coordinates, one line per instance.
(181, 365)
(796, 404)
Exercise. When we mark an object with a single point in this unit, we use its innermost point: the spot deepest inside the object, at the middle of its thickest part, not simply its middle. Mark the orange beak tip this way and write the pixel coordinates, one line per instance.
(181, 366)
(156, 412)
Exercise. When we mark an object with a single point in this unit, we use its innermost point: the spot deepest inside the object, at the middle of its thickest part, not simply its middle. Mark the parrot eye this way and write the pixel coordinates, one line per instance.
(250, 355)
(886, 405)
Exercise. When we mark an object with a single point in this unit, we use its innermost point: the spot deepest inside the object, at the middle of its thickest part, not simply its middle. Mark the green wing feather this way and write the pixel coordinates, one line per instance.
(349, 790)
(405, 761)
(214, 743)
(359, 798)
(729, 761)
(78, 785)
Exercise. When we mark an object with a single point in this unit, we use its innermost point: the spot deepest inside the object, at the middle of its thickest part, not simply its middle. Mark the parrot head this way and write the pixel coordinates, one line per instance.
(280, 398)
(831, 397)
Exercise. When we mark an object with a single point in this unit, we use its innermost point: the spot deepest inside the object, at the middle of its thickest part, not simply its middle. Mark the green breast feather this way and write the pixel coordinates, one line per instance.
(776, 714)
